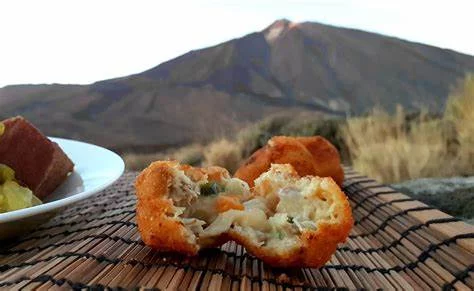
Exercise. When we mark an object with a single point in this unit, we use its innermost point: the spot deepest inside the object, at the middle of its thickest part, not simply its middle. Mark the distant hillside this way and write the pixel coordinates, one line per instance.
(286, 67)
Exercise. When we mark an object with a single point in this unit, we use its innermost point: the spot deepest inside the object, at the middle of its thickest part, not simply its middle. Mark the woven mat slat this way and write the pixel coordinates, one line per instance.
(397, 243)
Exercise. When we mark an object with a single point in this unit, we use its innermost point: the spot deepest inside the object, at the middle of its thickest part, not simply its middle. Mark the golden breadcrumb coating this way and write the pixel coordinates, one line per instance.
(286, 221)
(159, 226)
(279, 150)
(325, 156)
(308, 155)
(314, 202)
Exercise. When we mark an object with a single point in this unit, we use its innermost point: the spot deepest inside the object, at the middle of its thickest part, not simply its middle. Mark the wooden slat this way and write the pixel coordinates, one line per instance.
(397, 243)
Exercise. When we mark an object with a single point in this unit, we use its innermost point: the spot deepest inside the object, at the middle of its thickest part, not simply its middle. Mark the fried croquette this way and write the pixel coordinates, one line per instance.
(325, 156)
(286, 221)
(176, 201)
(308, 217)
(308, 155)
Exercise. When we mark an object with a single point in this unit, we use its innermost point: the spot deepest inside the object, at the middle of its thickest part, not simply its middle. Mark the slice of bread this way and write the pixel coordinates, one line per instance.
(39, 163)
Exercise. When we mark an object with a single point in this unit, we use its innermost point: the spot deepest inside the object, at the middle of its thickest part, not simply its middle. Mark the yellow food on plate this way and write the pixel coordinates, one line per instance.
(286, 220)
(13, 196)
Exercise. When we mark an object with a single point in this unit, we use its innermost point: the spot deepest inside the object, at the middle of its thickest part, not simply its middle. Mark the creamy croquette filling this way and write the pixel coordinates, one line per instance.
(274, 219)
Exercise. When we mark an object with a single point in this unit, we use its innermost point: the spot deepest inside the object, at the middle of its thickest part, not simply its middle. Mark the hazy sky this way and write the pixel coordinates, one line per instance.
(85, 41)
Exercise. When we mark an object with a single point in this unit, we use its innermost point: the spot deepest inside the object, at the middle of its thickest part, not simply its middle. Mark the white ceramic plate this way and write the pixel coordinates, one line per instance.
(95, 169)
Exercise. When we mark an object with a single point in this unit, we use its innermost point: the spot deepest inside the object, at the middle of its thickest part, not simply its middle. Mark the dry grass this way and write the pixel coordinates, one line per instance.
(191, 154)
(460, 111)
(223, 153)
(229, 153)
(382, 147)
(390, 149)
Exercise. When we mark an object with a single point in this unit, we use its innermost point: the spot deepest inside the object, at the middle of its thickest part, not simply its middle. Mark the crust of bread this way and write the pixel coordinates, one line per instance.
(308, 155)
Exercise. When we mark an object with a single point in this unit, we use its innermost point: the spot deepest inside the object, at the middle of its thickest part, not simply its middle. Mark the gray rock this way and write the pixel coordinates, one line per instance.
(452, 195)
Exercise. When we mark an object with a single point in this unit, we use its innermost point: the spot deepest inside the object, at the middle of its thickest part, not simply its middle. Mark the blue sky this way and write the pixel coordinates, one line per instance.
(85, 41)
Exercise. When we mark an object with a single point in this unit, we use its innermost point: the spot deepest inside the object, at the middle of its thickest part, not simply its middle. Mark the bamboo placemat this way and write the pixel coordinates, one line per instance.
(396, 243)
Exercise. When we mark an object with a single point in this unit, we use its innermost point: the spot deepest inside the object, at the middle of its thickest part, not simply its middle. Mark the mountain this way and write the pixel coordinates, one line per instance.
(288, 66)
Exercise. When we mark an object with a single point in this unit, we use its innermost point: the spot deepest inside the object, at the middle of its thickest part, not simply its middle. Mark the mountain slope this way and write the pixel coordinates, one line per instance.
(286, 67)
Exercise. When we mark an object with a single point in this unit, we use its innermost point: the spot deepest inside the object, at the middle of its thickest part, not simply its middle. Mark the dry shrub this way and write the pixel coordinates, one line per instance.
(381, 146)
(460, 111)
(255, 136)
(391, 149)
(138, 161)
(191, 154)
(223, 153)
